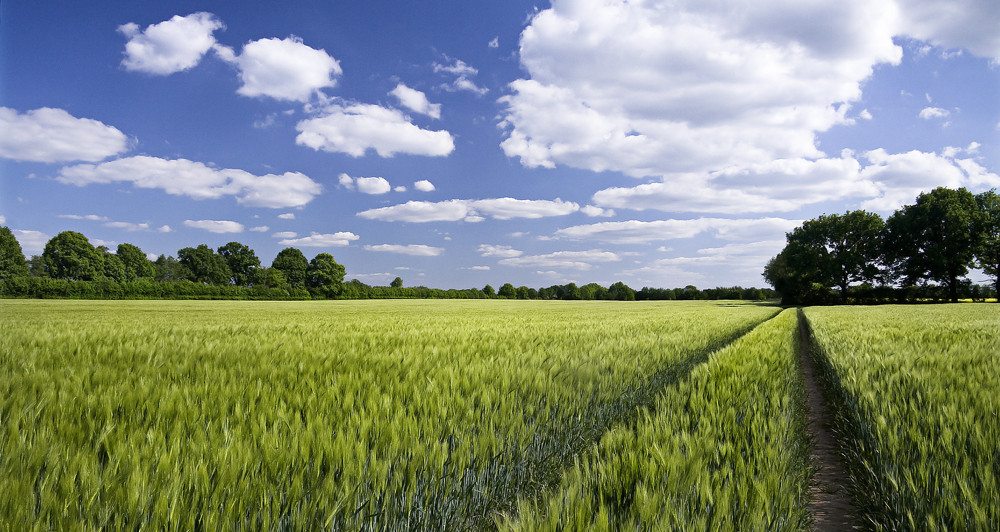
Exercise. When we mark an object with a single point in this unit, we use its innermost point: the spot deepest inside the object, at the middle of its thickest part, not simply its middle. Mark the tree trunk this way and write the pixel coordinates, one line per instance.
(953, 288)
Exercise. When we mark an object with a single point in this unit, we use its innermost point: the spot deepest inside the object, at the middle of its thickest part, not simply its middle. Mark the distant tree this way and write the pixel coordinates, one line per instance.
(936, 238)
(568, 292)
(136, 265)
(36, 266)
(269, 278)
(12, 263)
(204, 265)
(325, 275)
(621, 292)
(169, 269)
(69, 255)
(523, 292)
(837, 250)
(988, 250)
(397, 282)
(507, 290)
(489, 291)
(114, 268)
(593, 291)
(242, 262)
(293, 265)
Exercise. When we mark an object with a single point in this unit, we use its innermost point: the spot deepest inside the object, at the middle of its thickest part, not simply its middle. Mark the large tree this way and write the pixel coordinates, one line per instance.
(205, 265)
(988, 251)
(936, 238)
(137, 265)
(242, 262)
(12, 263)
(69, 255)
(169, 269)
(836, 250)
(293, 265)
(325, 275)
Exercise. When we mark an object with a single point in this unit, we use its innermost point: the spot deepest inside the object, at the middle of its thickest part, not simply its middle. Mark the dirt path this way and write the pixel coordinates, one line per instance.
(831, 505)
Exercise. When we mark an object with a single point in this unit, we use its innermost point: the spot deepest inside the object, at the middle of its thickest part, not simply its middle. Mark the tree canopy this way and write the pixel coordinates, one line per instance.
(69, 255)
(12, 263)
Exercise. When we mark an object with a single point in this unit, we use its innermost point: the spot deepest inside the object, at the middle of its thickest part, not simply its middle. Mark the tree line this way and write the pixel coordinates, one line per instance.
(71, 267)
(921, 252)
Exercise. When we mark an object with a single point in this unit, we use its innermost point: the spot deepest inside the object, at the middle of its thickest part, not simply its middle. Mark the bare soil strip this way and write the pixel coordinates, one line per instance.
(830, 502)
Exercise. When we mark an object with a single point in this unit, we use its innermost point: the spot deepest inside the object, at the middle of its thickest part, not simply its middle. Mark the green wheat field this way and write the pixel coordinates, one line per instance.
(488, 415)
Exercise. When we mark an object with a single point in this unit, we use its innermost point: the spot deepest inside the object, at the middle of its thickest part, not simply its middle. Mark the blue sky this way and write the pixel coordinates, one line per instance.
(456, 144)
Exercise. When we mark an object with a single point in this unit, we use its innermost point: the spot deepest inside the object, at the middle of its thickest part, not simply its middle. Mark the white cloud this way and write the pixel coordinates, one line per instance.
(346, 181)
(576, 260)
(399, 188)
(423, 185)
(193, 179)
(3, 219)
(90, 217)
(287, 216)
(128, 226)
(470, 210)
(641, 232)
(322, 240)
(477, 268)
(416, 101)
(418, 250)
(495, 43)
(462, 72)
(777, 186)
(170, 46)
(372, 185)
(656, 87)
(970, 24)
(865, 115)
(592, 211)
(215, 226)
(152, 256)
(486, 250)
(930, 113)
(901, 177)
(355, 128)
(49, 135)
(167, 229)
(260, 229)
(285, 234)
(32, 242)
(283, 69)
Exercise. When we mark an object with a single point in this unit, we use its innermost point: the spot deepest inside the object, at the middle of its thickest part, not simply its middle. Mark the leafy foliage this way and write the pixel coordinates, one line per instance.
(69, 255)
(12, 263)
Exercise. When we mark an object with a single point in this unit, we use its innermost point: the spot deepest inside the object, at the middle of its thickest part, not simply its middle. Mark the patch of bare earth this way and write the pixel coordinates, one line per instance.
(831, 505)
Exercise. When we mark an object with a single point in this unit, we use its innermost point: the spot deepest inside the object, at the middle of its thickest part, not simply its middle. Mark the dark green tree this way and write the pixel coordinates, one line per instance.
(293, 265)
(936, 238)
(242, 262)
(12, 263)
(325, 276)
(523, 292)
(204, 265)
(69, 255)
(507, 290)
(271, 278)
(136, 265)
(621, 292)
(489, 291)
(113, 267)
(837, 250)
(397, 282)
(169, 269)
(988, 251)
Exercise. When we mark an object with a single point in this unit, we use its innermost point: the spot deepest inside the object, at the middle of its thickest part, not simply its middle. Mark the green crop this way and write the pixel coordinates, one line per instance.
(918, 390)
(724, 449)
(357, 415)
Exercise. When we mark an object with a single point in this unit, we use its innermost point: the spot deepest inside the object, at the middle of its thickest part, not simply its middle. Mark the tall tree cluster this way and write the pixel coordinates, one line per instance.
(936, 240)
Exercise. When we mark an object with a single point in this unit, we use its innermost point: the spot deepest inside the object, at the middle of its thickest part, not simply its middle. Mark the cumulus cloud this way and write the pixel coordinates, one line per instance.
(128, 226)
(215, 226)
(901, 177)
(576, 260)
(930, 113)
(470, 210)
(781, 185)
(32, 242)
(653, 88)
(416, 101)
(49, 135)
(372, 185)
(969, 24)
(283, 69)
(418, 250)
(284, 234)
(287, 216)
(260, 229)
(423, 185)
(322, 240)
(193, 179)
(169, 46)
(641, 232)
(592, 211)
(486, 250)
(355, 128)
